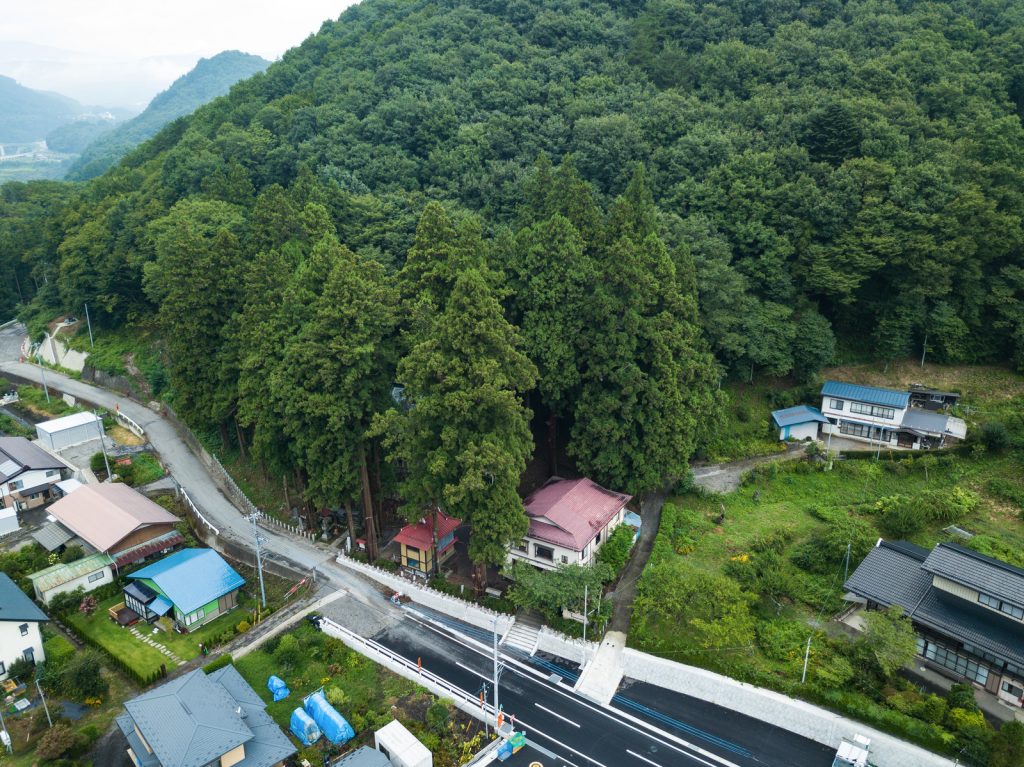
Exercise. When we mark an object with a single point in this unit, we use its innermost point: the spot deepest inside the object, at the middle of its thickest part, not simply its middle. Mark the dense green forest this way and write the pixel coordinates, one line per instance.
(28, 115)
(596, 209)
(209, 78)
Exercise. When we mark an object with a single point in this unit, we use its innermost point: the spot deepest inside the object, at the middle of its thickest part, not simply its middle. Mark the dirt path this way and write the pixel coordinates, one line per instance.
(725, 477)
(625, 591)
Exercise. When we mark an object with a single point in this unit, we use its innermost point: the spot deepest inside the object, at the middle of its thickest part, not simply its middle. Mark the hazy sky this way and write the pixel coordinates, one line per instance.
(125, 48)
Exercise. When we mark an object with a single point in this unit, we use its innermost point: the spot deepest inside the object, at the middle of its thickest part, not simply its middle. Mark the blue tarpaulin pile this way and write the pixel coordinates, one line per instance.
(304, 728)
(278, 688)
(331, 723)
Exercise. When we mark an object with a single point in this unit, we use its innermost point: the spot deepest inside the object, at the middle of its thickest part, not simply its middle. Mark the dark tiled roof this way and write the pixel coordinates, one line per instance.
(966, 566)
(26, 455)
(973, 624)
(14, 605)
(891, 574)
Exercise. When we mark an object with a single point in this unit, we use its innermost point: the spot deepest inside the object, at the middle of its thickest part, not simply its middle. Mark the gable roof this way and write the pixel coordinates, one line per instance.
(963, 565)
(189, 721)
(68, 422)
(421, 534)
(15, 606)
(799, 414)
(570, 512)
(59, 574)
(268, 745)
(870, 394)
(103, 515)
(192, 577)
(894, 573)
(17, 454)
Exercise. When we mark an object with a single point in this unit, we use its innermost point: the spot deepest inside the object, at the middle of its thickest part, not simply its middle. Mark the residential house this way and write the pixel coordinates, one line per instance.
(200, 720)
(798, 423)
(27, 473)
(87, 573)
(113, 519)
(569, 520)
(885, 418)
(932, 399)
(193, 585)
(416, 542)
(19, 626)
(70, 430)
(967, 608)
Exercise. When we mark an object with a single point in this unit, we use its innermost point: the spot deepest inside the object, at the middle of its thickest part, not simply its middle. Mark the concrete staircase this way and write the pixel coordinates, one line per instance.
(524, 634)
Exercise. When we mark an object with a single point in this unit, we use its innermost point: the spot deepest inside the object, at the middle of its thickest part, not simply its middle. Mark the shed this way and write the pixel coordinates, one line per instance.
(800, 422)
(70, 430)
(88, 573)
(8, 521)
(401, 747)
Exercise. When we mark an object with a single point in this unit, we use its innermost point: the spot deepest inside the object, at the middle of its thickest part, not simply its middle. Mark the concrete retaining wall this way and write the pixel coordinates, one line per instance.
(477, 616)
(576, 650)
(775, 708)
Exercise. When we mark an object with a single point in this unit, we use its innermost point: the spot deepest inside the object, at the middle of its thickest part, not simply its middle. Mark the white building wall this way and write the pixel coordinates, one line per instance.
(28, 479)
(800, 431)
(955, 588)
(843, 414)
(83, 581)
(13, 644)
(571, 556)
(74, 435)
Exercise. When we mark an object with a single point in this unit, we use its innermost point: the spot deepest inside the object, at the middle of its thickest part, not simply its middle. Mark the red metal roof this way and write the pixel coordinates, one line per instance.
(134, 554)
(570, 512)
(420, 534)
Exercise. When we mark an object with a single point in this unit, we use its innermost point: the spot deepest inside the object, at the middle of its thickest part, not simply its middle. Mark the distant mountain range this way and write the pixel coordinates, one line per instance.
(28, 115)
(209, 79)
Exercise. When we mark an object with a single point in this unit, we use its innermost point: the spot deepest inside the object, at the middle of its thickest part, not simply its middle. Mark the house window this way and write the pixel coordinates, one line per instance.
(29, 654)
(97, 576)
(952, 660)
(412, 556)
(1012, 689)
(873, 410)
(1015, 670)
(565, 559)
(1004, 607)
(23, 628)
(543, 552)
(598, 538)
(585, 552)
(16, 485)
(523, 546)
(52, 473)
(836, 404)
(864, 430)
(194, 616)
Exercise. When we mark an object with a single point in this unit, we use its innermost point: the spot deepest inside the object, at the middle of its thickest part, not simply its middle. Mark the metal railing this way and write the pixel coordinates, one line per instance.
(195, 510)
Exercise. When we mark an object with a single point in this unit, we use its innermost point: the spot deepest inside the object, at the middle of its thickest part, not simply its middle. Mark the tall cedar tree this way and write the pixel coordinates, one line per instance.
(464, 437)
(650, 383)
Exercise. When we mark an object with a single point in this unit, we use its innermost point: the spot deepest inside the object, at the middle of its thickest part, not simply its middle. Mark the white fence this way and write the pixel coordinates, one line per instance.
(473, 614)
(129, 424)
(266, 519)
(195, 510)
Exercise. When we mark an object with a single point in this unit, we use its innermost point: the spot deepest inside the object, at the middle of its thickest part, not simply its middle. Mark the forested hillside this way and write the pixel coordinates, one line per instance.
(625, 189)
(209, 78)
(28, 115)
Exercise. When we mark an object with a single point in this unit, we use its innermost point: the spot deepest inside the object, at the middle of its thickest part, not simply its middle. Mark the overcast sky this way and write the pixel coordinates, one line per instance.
(125, 48)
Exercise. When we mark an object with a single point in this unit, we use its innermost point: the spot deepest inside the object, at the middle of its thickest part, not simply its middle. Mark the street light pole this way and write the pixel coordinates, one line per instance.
(585, 599)
(496, 706)
(45, 707)
(103, 444)
(259, 556)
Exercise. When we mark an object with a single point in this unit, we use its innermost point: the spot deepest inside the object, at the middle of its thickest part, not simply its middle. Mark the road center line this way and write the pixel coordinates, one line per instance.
(474, 671)
(644, 758)
(564, 719)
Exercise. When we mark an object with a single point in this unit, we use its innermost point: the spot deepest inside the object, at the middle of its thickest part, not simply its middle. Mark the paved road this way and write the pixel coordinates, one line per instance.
(625, 589)
(726, 477)
(582, 733)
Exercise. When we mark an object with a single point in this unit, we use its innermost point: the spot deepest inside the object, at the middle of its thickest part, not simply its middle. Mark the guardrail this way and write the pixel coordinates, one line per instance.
(129, 424)
(195, 510)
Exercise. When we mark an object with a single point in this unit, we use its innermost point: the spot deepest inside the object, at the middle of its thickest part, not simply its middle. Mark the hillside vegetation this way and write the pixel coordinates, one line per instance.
(28, 115)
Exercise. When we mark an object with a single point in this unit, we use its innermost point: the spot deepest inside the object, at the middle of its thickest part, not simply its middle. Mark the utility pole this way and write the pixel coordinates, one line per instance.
(585, 595)
(42, 373)
(4, 735)
(497, 708)
(807, 657)
(45, 707)
(924, 349)
(89, 323)
(846, 574)
(259, 555)
(103, 444)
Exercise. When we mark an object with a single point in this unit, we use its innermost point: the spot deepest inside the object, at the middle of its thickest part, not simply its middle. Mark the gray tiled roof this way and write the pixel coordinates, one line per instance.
(891, 574)
(966, 566)
(363, 757)
(26, 456)
(925, 420)
(15, 606)
(268, 745)
(972, 624)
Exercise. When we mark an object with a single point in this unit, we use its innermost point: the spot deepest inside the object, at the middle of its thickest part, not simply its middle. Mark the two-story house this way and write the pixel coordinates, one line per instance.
(967, 608)
(569, 521)
(203, 720)
(884, 417)
(19, 626)
(27, 473)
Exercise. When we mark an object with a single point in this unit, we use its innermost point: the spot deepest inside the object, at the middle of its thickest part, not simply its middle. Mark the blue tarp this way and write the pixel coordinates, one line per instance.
(331, 723)
(279, 689)
(304, 728)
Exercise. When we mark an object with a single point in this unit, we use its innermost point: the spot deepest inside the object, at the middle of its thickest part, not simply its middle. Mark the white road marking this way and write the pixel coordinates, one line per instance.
(644, 758)
(564, 719)
(535, 731)
(474, 671)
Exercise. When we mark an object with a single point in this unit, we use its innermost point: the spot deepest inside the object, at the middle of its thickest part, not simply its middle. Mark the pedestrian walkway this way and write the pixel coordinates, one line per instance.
(601, 676)
(523, 635)
(156, 646)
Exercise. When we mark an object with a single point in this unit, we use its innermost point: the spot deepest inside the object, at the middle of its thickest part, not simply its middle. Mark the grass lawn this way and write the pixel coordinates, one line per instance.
(371, 696)
(33, 399)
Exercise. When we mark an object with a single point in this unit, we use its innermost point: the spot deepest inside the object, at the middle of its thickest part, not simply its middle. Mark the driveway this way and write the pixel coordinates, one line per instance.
(625, 589)
(726, 477)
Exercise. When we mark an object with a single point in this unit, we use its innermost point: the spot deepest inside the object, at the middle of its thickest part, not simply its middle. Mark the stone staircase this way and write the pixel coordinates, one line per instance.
(524, 634)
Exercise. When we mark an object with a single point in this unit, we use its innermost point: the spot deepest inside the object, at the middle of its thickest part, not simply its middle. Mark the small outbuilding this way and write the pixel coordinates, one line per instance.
(417, 542)
(797, 423)
(70, 430)
(401, 747)
(88, 573)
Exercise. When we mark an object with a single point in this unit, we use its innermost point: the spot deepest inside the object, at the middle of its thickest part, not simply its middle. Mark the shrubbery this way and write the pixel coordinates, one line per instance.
(615, 551)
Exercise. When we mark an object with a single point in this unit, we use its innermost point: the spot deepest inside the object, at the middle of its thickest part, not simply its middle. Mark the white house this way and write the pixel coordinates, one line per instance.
(89, 573)
(27, 473)
(569, 521)
(70, 430)
(19, 626)
(797, 423)
(884, 417)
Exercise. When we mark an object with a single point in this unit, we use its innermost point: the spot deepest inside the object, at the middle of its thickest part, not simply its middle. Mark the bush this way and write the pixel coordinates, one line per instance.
(994, 436)
(57, 741)
(21, 669)
(336, 696)
(98, 464)
(81, 678)
(288, 652)
(437, 717)
(72, 554)
(615, 551)
(899, 517)
(220, 662)
(242, 627)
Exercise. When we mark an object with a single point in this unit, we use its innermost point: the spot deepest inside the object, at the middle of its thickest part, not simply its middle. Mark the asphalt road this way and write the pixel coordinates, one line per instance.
(579, 732)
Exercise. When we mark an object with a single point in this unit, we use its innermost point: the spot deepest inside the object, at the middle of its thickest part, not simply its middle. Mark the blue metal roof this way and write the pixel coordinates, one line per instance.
(161, 605)
(799, 414)
(14, 605)
(192, 577)
(870, 394)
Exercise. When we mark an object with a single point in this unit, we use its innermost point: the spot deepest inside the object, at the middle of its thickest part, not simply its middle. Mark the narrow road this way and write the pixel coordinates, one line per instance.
(726, 477)
(625, 589)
